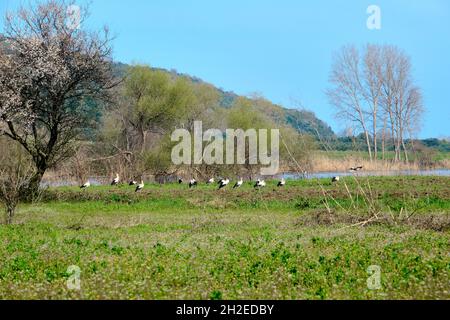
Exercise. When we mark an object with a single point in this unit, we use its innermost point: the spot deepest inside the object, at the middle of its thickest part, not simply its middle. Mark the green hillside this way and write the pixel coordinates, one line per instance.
(303, 121)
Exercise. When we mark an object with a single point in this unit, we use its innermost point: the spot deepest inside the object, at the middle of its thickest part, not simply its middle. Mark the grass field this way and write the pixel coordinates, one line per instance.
(307, 241)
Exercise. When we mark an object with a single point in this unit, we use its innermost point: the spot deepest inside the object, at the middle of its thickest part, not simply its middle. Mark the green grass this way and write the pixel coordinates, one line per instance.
(173, 243)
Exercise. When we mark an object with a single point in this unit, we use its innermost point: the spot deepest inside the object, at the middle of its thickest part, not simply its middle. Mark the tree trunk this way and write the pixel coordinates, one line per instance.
(403, 145)
(375, 137)
(369, 148)
(9, 214)
(35, 182)
(366, 133)
(383, 139)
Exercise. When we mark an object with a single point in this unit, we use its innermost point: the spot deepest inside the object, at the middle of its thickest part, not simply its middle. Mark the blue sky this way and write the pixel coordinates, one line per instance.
(280, 49)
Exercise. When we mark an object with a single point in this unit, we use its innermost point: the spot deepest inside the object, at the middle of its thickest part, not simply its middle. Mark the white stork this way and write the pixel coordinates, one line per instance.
(335, 179)
(224, 183)
(210, 181)
(238, 184)
(260, 183)
(86, 185)
(192, 183)
(282, 183)
(133, 183)
(140, 186)
(180, 181)
(116, 180)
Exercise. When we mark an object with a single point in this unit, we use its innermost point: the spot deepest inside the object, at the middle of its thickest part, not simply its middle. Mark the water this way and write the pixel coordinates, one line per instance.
(294, 176)
(435, 172)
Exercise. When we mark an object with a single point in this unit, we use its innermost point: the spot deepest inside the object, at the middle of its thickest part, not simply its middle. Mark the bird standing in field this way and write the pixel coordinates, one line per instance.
(210, 181)
(260, 183)
(180, 181)
(238, 184)
(133, 183)
(192, 183)
(335, 179)
(282, 183)
(140, 186)
(116, 180)
(86, 185)
(224, 183)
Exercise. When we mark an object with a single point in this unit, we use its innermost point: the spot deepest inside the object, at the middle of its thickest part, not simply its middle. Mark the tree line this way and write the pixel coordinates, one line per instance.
(54, 79)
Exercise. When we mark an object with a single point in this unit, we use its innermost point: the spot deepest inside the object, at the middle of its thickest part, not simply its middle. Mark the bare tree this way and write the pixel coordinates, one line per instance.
(348, 94)
(401, 99)
(16, 173)
(380, 88)
(53, 76)
(372, 88)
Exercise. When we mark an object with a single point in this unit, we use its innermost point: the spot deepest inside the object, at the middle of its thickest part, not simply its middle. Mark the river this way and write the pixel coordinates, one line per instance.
(434, 172)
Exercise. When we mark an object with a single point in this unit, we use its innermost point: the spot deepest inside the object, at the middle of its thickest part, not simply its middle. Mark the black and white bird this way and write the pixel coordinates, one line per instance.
(260, 183)
(238, 184)
(335, 179)
(116, 180)
(224, 183)
(192, 183)
(210, 181)
(354, 169)
(282, 183)
(180, 181)
(86, 185)
(132, 183)
(140, 186)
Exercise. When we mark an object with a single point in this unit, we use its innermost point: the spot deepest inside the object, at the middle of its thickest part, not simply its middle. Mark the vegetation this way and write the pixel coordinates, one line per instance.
(77, 130)
(375, 92)
(66, 106)
(173, 243)
(16, 174)
(51, 76)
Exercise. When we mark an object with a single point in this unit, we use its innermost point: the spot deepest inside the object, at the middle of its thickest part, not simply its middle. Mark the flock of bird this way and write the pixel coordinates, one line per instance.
(222, 183)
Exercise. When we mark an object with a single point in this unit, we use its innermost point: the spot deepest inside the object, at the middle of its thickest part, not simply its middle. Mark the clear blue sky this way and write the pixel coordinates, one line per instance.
(281, 49)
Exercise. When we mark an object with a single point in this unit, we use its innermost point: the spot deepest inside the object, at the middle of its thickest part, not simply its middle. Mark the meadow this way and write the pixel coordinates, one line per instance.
(309, 240)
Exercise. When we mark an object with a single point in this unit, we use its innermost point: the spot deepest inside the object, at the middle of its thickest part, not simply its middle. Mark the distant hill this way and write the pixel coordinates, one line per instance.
(303, 121)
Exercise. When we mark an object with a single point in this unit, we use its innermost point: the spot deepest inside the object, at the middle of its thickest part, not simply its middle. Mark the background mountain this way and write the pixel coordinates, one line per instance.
(303, 121)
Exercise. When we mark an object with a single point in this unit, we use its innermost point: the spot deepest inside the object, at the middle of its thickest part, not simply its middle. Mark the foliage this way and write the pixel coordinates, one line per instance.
(16, 173)
(198, 244)
(51, 77)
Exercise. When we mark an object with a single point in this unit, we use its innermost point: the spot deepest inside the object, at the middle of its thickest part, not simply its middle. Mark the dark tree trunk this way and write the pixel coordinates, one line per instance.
(9, 215)
(32, 190)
